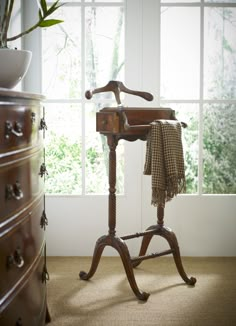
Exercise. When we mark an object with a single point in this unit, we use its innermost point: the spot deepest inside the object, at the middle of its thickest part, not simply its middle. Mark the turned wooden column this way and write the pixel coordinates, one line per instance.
(160, 215)
(112, 143)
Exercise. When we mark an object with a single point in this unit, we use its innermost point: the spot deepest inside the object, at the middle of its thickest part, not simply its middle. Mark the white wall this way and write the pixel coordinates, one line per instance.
(204, 225)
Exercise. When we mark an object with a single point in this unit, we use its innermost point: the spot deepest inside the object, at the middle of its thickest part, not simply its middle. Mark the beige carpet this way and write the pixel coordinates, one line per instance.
(108, 300)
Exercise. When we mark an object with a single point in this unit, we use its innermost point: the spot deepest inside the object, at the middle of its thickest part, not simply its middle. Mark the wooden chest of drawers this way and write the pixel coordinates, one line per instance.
(23, 270)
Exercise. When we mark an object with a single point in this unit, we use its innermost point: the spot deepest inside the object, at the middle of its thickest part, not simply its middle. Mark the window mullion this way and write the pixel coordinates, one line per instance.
(200, 138)
(83, 100)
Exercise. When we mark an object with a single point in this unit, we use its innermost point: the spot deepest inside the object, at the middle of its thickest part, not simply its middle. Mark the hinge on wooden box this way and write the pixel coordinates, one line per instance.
(44, 220)
(42, 125)
(43, 170)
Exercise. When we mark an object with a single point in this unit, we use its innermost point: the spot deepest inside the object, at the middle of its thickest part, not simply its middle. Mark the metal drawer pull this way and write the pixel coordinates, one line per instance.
(19, 260)
(14, 191)
(16, 130)
(15, 259)
(33, 117)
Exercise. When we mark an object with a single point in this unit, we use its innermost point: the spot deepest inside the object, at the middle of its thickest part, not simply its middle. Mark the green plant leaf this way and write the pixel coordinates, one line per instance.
(43, 6)
(53, 7)
(40, 15)
(50, 22)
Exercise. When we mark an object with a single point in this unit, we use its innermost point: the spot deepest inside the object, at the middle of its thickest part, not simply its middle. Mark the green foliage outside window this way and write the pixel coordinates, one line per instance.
(219, 149)
(63, 165)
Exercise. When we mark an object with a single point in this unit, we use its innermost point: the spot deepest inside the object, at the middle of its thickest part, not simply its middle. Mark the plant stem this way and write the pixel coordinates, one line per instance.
(6, 21)
(25, 32)
(7, 12)
(4, 15)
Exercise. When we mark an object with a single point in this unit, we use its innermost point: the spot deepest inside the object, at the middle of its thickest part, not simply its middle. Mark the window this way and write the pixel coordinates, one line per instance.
(84, 52)
(197, 79)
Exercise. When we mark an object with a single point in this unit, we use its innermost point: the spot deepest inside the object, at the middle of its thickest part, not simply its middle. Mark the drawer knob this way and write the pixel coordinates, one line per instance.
(15, 130)
(14, 191)
(15, 259)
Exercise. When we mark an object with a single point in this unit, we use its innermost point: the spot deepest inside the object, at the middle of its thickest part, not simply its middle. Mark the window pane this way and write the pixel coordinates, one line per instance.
(220, 58)
(219, 149)
(180, 56)
(97, 158)
(104, 45)
(188, 113)
(63, 149)
(62, 56)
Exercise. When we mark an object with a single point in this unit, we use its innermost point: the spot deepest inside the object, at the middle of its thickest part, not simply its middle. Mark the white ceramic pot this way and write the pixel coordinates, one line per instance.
(13, 66)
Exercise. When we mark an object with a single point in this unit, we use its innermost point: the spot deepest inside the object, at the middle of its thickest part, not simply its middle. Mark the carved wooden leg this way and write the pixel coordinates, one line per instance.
(172, 240)
(169, 235)
(111, 239)
(118, 244)
(106, 240)
(122, 248)
(144, 245)
(100, 245)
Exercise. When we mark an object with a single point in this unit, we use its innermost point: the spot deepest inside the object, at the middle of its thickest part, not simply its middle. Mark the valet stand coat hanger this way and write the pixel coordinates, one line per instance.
(116, 87)
(130, 124)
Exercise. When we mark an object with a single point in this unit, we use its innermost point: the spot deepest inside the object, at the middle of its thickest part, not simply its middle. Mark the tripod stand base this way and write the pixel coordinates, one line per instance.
(130, 263)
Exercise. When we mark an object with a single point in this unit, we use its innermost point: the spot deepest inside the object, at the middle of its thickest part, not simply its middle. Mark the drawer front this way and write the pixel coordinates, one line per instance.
(20, 183)
(111, 120)
(20, 244)
(28, 307)
(107, 122)
(20, 127)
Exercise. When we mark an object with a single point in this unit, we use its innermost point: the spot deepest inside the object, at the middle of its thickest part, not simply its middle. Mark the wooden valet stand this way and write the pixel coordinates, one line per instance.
(130, 124)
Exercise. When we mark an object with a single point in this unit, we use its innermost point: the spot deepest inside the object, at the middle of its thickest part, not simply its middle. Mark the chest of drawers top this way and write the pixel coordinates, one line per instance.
(11, 95)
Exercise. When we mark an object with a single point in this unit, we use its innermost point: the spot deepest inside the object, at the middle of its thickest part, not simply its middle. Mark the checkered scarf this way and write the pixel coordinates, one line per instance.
(165, 161)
